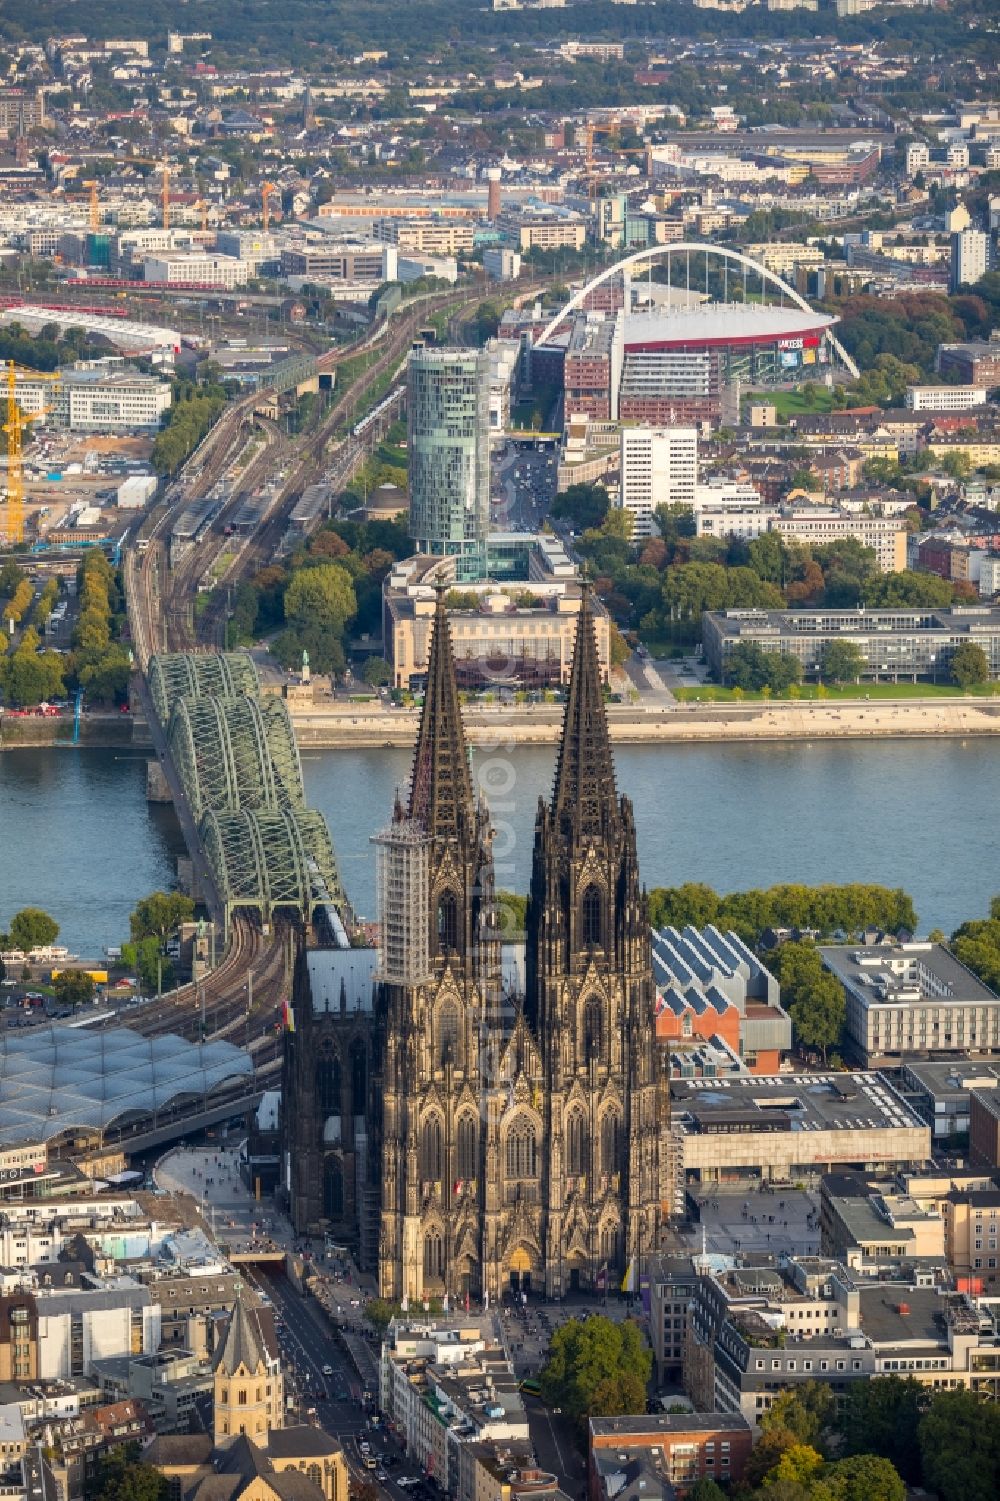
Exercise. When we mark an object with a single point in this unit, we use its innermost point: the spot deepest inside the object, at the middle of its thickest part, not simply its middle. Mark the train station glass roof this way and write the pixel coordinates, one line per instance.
(57, 1078)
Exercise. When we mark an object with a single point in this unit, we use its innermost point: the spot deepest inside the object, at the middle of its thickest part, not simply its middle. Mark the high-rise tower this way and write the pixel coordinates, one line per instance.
(448, 398)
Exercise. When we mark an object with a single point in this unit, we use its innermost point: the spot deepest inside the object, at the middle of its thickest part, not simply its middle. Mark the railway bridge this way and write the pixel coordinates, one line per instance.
(229, 759)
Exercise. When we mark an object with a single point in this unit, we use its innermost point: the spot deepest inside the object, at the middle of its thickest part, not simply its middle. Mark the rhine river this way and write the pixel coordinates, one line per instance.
(78, 838)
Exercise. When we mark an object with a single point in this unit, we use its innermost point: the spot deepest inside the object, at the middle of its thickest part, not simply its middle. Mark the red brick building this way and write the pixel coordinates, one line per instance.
(677, 1448)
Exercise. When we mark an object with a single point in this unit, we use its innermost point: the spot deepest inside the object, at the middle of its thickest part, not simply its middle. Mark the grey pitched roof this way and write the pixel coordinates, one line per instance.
(243, 1343)
(300, 1441)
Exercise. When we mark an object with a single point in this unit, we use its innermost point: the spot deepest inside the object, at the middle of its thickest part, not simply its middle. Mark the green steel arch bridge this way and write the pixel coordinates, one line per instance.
(230, 759)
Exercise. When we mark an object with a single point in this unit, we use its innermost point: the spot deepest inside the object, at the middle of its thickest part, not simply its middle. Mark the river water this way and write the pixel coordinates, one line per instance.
(77, 837)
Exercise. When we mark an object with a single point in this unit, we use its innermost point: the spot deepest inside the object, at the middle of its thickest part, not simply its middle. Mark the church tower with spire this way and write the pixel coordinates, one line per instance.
(441, 993)
(590, 1003)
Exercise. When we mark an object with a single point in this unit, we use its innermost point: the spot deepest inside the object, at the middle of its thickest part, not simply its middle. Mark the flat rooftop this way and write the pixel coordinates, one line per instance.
(905, 974)
(789, 1102)
(964, 620)
(952, 1081)
(663, 1424)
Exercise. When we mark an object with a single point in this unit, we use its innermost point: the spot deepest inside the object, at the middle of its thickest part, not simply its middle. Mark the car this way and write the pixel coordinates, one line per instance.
(381, 1475)
(328, 1370)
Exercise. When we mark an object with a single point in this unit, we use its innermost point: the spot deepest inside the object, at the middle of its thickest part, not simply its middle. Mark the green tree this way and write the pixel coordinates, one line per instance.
(706, 1490)
(322, 596)
(766, 1454)
(841, 662)
(159, 915)
(377, 672)
(805, 1411)
(864, 1477)
(513, 910)
(597, 1368)
(768, 557)
(812, 996)
(380, 1313)
(969, 665)
(31, 928)
(583, 506)
(119, 1476)
(800, 1464)
(959, 1438)
(145, 959)
(882, 1416)
(73, 987)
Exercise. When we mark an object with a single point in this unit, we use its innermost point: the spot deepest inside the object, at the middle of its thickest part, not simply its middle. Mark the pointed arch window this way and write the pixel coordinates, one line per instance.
(431, 1150)
(328, 1081)
(576, 1144)
(611, 1142)
(449, 1033)
(593, 1028)
(333, 1189)
(433, 1254)
(447, 922)
(359, 1077)
(592, 918)
(522, 1149)
(466, 1144)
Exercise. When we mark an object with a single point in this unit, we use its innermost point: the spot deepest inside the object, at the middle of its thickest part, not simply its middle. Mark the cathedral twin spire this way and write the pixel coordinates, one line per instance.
(441, 785)
(584, 796)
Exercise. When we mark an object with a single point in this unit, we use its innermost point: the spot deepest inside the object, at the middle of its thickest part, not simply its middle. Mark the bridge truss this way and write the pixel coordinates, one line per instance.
(237, 763)
(234, 753)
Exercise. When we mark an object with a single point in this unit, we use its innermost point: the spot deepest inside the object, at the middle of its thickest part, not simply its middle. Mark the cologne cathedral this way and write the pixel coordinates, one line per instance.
(468, 1112)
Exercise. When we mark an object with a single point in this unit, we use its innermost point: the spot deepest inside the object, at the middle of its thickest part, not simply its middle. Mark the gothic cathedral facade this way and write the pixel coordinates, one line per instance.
(517, 1109)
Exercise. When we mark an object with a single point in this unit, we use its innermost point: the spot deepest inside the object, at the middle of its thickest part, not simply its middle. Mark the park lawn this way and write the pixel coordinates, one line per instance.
(810, 692)
(794, 403)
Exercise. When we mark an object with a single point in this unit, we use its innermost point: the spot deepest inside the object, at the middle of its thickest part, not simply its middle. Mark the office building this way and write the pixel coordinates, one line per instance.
(874, 1226)
(970, 257)
(792, 1127)
(97, 398)
(738, 511)
(501, 264)
(429, 236)
(944, 398)
(941, 1090)
(448, 406)
(896, 645)
(659, 466)
(334, 263)
(912, 999)
(759, 1328)
(196, 269)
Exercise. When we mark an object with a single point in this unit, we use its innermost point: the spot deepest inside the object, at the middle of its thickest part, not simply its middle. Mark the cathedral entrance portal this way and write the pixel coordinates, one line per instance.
(520, 1271)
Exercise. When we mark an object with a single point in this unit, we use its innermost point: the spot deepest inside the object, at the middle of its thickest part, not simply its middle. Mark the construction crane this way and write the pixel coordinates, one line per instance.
(14, 427)
(611, 128)
(165, 169)
(266, 189)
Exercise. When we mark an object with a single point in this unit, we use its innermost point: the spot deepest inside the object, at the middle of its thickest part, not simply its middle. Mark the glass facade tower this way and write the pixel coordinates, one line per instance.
(448, 395)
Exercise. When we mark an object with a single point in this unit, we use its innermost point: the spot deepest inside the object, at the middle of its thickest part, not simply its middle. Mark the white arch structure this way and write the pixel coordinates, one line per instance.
(656, 252)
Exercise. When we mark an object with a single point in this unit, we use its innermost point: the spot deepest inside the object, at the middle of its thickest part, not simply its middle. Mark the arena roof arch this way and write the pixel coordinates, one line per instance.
(684, 247)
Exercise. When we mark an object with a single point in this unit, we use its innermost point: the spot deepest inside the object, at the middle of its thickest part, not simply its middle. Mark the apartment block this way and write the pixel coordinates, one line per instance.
(430, 236)
(659, 466)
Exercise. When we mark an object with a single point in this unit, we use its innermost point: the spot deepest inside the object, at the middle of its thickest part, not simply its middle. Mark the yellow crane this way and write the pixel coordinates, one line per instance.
(266, 189)
(165, 170)
(611, 128)
(14, 427)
